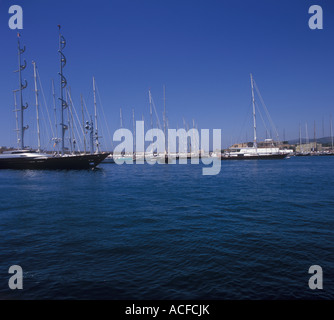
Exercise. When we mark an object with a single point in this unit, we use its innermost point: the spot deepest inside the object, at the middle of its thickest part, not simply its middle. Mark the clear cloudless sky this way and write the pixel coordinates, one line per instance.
(202, 51)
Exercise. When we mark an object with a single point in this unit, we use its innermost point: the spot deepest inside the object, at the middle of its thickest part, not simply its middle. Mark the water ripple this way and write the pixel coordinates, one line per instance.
(167, 232)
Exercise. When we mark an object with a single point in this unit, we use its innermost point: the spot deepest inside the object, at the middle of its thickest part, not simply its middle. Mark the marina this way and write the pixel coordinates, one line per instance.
(35, 159)
(24, 158)
(166, 156)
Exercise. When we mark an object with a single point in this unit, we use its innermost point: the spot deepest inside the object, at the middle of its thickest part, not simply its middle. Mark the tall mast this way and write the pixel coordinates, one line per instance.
(315, 142)
(73, 141)
(120, 117)
(300, 138)
(63, 83)
(69, 121)
(16, 120)
(254, 118)
(190, 142)
(21, 87)
(196, 142)
(37, 109)
(164, 87)
(185, 128)
(150, 100)
(91, 127)
(331, 128)
(151, 116)
(56, 140)
(54, 106)
(96, 127)
(134, 131)
(83, 123)
(307, 138)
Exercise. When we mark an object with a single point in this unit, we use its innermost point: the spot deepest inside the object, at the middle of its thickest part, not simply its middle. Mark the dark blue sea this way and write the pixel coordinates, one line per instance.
(168, 232)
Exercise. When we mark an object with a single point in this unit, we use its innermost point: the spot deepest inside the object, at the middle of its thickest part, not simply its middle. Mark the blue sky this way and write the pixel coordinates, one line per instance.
(202, 51)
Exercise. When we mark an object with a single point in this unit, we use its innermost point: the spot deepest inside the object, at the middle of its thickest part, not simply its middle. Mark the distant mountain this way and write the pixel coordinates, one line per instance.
(323, 140)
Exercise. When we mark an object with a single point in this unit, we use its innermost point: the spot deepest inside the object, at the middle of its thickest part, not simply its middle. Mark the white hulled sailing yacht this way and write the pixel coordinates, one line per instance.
(254, 152)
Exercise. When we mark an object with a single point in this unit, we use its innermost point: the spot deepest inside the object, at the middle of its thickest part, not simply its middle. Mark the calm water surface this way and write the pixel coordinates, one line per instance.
(168, 232)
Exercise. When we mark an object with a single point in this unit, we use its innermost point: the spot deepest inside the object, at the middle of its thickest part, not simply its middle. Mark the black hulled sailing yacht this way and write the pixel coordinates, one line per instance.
(30, 159)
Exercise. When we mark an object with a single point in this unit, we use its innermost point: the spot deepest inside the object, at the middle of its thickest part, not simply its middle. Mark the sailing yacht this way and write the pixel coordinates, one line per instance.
(254, 152)
(121, 157)
(162, 157)
(31, 159)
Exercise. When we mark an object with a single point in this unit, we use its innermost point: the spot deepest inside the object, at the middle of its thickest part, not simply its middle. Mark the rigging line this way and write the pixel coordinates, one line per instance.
(44, 128)
(46, 105)
(101, 131)
(156, 114)
(196, 143)
(76, 134)
(75, 112)
(146, 128)
(70, 129)
(52, 100)
(84, 102)
(75, 123)
(88, 117)
(247, 114)
(16, 121)
(266, 110)
(49, 94)
(104, 116)
(258, 109)
(197, 140)
(70, 121)
(270, 121)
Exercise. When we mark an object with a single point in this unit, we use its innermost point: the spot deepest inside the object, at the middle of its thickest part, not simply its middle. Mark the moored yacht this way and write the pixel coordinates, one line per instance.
(30, 159)
(250, 153)
(254, 152)
(33, 160)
